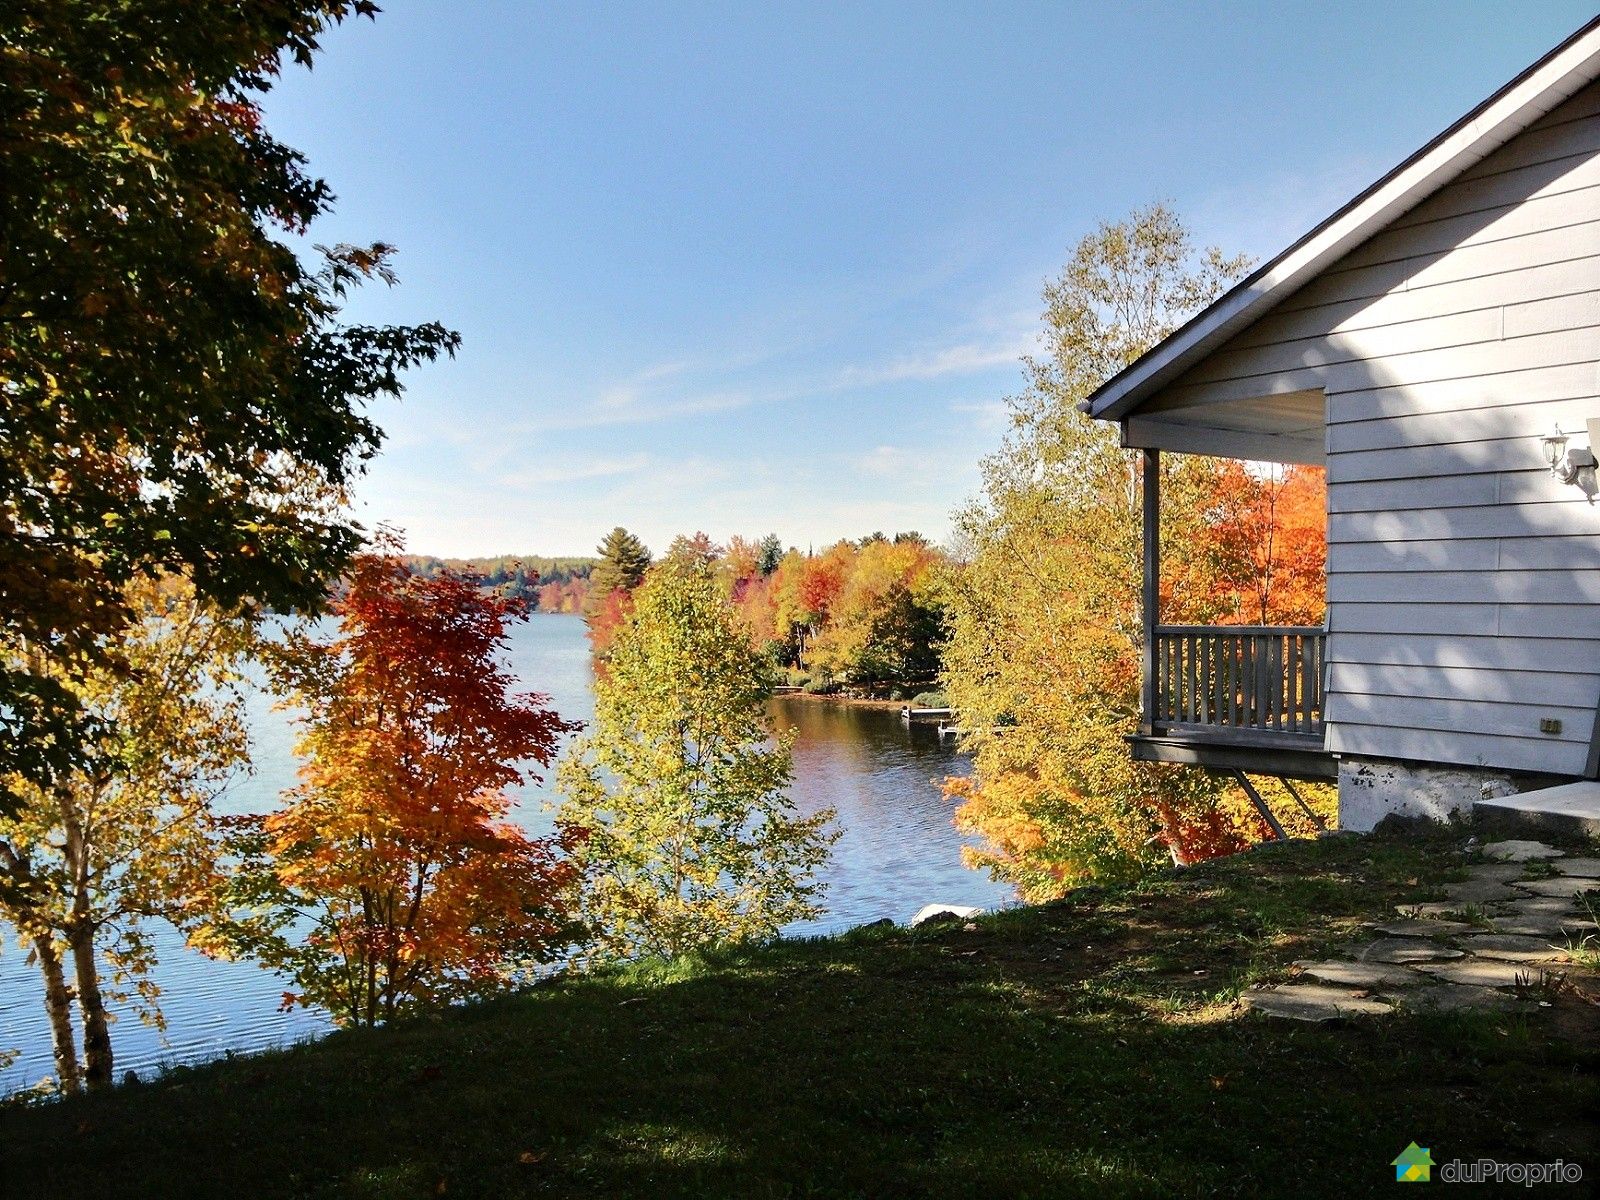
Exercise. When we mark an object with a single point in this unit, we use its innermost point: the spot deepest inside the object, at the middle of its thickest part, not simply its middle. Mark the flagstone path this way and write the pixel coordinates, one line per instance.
(1500, 940)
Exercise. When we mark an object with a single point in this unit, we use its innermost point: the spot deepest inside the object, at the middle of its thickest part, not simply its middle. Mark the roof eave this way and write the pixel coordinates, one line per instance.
(1561, 73)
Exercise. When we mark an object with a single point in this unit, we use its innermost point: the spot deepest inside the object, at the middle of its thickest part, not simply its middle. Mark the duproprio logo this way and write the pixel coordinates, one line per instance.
(1414, 1165)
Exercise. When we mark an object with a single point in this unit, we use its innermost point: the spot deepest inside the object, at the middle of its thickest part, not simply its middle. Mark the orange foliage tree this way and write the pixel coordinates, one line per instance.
(884, 627)
(392, 881)
(605, 622)
(822, 581)
(863, 615)
(753, 599)
(1046, 637)
(1262, 551)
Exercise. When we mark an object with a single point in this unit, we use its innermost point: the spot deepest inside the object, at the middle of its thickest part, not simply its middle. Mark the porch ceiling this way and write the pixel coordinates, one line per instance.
(1283, 427)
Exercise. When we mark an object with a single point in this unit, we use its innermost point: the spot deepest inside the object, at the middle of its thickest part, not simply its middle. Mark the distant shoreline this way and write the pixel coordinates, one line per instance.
(857, 701)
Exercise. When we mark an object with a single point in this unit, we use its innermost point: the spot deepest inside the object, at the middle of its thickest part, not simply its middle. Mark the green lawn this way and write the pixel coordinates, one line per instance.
(1090, 1048)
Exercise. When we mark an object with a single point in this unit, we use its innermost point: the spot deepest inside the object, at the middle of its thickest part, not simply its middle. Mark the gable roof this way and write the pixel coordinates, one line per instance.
(1558, 75)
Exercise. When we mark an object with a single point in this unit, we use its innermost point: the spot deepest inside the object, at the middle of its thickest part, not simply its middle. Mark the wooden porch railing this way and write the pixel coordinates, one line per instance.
(1250, 678)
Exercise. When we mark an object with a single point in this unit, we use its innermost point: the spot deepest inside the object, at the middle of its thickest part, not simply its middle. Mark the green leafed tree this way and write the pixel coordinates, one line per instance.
(677, 799)
(176, 377)
(903, 642)
(623, 561)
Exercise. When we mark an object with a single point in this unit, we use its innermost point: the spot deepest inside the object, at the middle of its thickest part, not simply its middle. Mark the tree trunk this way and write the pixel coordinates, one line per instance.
(97, 1062)
(58, 1003)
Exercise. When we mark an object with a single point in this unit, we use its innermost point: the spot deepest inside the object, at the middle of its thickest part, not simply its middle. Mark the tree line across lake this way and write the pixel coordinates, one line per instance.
(551, 585)
(864, 617)
(860, 617)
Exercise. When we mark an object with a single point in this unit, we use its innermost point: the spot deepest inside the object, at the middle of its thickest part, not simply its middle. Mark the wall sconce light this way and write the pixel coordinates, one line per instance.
(1576, 466)
(1555, 448)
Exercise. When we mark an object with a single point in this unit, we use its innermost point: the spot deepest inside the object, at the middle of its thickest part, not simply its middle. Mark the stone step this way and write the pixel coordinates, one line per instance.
(1455, 997)
(1571, 808)
(1566, 888)
(1357, 974)
(1558, 905)
(1544, 925)
(1420, 928)
(1402, 950)
(1519, 851)
(1313, 1002)
(1581, 868)
(1510, 947)
(1485, 972)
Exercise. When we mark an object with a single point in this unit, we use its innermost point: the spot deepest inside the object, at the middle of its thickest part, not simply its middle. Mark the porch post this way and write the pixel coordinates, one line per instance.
(1150, 463)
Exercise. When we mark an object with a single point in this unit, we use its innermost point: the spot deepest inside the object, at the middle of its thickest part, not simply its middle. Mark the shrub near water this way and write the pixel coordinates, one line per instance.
(676, 801)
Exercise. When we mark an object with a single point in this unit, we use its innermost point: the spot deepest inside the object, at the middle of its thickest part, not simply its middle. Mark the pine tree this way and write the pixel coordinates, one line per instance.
(623, 561)
(769, 555)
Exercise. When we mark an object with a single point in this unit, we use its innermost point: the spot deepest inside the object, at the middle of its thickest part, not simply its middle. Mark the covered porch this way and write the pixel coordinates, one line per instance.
(1229, 697)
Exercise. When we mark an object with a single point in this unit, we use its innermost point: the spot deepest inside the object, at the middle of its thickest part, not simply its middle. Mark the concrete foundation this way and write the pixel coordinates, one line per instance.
(1371, 789)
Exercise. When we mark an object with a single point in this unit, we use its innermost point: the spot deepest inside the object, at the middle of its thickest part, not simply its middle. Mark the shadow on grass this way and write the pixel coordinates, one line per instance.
(1070, 1050)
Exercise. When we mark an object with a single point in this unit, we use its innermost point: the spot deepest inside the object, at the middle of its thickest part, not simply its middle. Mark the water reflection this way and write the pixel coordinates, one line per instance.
(897, 851)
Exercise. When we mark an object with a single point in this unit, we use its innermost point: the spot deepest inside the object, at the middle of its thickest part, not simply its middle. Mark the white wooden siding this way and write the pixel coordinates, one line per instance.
(1463, 581)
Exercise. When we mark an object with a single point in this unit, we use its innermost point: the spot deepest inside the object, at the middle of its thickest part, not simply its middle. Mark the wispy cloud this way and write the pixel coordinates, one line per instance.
(964, 359)
(684, 387)
(632, 391)
(593, 469)
(989, 416)
(886, 461)
(641, 411)
(663, 391)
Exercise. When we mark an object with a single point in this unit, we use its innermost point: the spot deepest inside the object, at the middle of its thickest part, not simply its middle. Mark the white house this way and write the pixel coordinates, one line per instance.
(1423, 343)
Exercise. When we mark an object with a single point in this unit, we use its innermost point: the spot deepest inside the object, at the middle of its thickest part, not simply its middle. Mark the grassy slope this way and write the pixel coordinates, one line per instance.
(1089, 1048)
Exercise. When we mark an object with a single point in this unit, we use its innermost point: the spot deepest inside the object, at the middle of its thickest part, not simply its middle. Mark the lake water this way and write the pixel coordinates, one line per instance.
(898, 851)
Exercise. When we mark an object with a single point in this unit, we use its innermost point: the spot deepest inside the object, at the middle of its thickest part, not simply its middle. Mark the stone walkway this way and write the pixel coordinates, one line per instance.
(1498, 941)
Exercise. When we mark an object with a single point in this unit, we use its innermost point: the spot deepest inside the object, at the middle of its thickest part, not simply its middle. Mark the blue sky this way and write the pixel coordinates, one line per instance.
(746, 268)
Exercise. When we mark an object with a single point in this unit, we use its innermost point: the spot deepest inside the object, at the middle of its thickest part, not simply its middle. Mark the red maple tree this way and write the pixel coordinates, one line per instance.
(395, 850)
